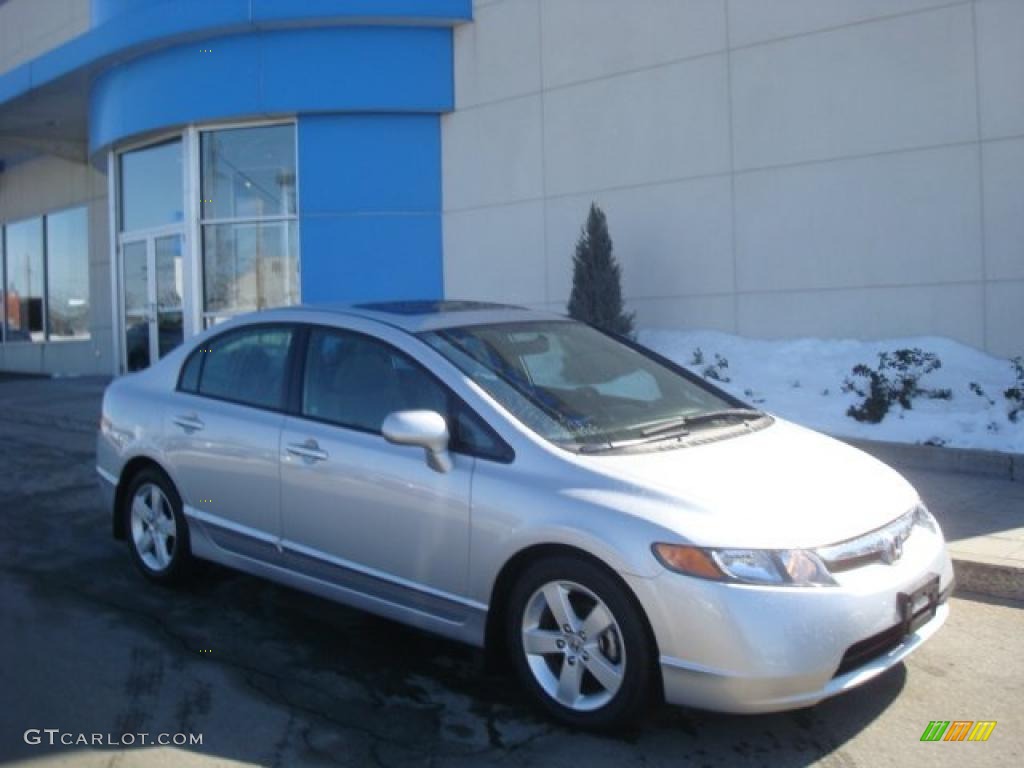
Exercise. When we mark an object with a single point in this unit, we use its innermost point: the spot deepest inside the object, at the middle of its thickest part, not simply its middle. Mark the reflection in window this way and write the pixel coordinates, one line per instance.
(249, 224)
(24, 276)
(67, 258)
(249, 173)
(249, 266)
(247, 367)
(152, 192)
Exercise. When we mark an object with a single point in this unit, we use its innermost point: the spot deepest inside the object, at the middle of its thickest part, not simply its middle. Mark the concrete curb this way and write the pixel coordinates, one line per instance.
(1008, 466)
(989, 579)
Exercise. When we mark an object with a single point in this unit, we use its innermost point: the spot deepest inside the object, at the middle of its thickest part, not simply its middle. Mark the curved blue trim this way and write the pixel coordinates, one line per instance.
(104, 11)
(128, 28)
(336, 69)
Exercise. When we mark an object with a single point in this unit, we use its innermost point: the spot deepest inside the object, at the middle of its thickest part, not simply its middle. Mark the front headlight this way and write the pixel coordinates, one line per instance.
(785, 567)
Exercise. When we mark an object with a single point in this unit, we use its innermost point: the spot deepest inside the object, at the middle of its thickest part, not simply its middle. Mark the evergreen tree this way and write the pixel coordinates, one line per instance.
(597, 279)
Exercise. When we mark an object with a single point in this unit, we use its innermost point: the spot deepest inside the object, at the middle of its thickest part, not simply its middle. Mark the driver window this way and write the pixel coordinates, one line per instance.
(355, 381)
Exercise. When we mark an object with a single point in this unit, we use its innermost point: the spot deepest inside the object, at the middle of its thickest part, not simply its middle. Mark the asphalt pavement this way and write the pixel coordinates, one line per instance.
(269, 676)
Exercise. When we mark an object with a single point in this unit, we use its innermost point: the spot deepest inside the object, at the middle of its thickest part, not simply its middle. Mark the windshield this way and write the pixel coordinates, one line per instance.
(577, 387)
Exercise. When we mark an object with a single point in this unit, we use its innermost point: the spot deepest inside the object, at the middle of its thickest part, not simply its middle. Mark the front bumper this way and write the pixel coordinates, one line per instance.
(746, 649)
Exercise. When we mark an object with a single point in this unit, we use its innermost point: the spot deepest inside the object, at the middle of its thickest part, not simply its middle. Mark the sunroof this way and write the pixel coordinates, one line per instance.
(431, 307)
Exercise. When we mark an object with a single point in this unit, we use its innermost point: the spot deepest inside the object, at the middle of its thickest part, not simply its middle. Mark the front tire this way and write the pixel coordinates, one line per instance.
(579, 643)
(156, 529)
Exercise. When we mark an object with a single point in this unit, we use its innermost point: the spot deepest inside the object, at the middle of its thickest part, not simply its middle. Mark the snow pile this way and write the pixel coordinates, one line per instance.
(802, 380)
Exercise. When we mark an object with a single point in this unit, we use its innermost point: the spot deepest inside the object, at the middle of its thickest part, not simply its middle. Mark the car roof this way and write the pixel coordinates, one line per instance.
(417, 316)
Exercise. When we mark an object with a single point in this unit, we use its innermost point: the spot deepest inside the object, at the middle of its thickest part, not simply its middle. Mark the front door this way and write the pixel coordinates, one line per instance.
(355, 509)
(152, 281)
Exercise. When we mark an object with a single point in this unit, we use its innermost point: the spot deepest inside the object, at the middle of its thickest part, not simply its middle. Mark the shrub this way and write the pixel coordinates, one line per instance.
(597, 279)
(894, 380)
(1015, 394)
(976, 388)
(716, 370)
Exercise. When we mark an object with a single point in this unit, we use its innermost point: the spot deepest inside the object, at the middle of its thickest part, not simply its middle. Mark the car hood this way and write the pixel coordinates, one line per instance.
(779, 487)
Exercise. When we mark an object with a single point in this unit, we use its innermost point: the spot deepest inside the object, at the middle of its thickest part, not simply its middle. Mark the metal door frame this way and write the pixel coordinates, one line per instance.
(149, 237)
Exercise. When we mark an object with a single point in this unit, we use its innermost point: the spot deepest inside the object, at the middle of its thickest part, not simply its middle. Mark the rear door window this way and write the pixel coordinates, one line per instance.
(246, 366)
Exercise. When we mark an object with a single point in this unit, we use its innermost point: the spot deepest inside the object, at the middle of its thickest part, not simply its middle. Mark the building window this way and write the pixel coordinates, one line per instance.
(152, 187)
(248, 220)
(67, 274)
(45, 279)
(24, 280)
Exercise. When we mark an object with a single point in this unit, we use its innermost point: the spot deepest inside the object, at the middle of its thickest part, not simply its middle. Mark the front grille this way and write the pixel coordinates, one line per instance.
(882, 545)
(876, 646)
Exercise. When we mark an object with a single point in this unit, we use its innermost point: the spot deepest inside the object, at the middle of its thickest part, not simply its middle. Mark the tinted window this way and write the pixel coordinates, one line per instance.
(189, 381)
(356, 381)
(247, 366)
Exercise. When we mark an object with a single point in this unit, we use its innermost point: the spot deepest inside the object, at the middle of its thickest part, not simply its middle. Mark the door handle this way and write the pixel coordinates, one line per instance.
(190, 423)
(309, 451)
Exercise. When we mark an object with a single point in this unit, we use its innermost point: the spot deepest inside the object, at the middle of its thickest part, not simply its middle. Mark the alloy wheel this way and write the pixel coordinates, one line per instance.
(573, 646)
(154, 531)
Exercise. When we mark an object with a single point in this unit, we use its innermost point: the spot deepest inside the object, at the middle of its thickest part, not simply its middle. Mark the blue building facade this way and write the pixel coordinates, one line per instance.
(255, 152)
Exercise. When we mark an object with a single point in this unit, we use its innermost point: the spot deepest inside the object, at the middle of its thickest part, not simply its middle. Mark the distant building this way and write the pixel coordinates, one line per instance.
(768, 167)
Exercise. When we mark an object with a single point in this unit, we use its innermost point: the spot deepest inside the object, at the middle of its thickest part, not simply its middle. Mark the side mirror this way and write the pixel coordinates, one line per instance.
(427, 429)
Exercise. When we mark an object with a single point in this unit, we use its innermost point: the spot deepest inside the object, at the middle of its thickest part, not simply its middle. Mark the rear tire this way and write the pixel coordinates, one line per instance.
(579, 644)
(156, 528)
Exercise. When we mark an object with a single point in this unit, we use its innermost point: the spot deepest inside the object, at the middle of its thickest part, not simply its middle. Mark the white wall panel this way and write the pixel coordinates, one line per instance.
(1001, 66)
(753, 21)
(496, 254)
(884, 220)
(1004, 303)
(587, 39)
(656, 125)
(1004, 209)
(894, 84)
(492, 154)
(498, 56)
(954, 311)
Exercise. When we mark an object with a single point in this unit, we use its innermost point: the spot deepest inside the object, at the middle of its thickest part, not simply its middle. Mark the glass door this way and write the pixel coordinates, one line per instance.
(153, 284)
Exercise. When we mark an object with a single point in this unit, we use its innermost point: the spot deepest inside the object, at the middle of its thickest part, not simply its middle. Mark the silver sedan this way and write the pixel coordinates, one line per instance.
(617, 527)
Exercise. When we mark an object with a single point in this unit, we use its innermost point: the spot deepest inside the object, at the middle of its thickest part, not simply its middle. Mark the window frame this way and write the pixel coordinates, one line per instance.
(5, 254)
(299, 333)
(505, 453)
(193, 192)
(84, 206)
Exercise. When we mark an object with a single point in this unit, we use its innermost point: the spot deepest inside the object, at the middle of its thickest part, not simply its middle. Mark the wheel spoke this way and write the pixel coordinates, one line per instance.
(569, 682)
(557, 598)
(597, 622)
(139, 509)
(160, 550)
(609, 676)
(541, 641)
(145, 542)
(154, 501)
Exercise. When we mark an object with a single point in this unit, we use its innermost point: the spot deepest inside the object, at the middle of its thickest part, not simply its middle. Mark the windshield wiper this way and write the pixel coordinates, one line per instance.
(683, 423)
(670, 429)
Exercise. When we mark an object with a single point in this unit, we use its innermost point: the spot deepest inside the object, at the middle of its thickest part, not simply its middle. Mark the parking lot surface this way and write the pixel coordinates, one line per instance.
(269, 676)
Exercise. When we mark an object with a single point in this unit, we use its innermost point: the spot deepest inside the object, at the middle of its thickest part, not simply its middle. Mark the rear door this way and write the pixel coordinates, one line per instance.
(224, 427)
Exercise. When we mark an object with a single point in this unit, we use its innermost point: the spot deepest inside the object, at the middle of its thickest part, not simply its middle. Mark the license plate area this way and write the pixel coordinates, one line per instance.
(918, 606)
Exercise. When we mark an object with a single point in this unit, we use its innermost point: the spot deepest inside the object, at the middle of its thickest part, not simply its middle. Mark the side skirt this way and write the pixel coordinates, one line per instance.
(260, 555)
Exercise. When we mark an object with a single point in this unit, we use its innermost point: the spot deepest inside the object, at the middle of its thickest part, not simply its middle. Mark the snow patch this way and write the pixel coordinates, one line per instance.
(801, 380)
